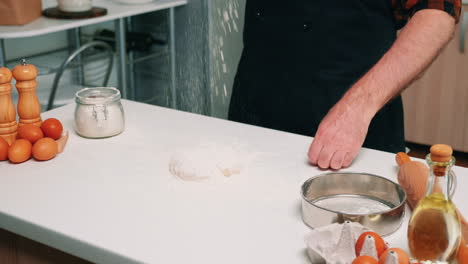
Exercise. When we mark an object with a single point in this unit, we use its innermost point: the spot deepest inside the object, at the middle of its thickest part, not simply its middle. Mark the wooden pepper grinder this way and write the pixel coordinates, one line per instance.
(8, 125)
(29, 108)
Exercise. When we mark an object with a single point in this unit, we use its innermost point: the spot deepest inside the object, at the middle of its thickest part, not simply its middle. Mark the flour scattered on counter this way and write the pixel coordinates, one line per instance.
(209, 160)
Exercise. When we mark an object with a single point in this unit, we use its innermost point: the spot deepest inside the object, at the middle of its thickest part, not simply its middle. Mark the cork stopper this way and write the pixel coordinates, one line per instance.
(5, 75)
(441, 153)
(25, 71)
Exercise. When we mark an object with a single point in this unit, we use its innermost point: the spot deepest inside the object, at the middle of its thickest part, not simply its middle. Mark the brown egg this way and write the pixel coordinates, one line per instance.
(30, 132)
(19, 151)
(365, 260)
(377, 240)
(3, 149)
(45, 149)
(402, 256)
(412, 176)
(463, 255)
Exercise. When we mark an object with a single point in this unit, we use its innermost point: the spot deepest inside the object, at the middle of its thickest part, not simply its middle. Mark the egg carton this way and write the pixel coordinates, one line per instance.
(335, 244)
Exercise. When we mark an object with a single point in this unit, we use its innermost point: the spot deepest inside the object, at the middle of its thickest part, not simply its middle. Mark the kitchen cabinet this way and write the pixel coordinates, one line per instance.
(16, 249)
(436, 104)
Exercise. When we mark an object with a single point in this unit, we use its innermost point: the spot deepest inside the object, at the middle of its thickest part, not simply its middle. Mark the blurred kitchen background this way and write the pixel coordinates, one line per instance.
(208, 44)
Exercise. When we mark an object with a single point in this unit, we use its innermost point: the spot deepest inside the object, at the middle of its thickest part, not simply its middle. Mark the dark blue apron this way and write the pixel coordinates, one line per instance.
(300, 57)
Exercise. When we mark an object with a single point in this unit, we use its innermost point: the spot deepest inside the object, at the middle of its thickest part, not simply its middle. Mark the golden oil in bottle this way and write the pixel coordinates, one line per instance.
(434, 231)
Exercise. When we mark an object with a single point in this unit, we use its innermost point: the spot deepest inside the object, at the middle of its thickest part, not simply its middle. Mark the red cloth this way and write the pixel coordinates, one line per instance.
(404, 9)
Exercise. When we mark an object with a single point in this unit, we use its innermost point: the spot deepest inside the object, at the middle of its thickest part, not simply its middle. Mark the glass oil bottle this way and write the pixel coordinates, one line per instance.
(434, 230)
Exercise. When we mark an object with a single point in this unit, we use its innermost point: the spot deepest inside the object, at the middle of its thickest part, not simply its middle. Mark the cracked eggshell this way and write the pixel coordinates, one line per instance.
(335, 243)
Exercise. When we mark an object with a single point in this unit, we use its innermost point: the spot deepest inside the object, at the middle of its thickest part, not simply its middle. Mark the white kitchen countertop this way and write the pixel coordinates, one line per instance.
(44, 25)
(114, 201)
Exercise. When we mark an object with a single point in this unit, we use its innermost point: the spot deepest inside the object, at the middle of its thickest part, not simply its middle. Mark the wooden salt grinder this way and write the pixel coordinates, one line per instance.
(29, 108)
(8, 125)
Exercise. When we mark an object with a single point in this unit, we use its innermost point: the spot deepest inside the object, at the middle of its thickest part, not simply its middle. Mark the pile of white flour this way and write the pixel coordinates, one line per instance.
(208, 160)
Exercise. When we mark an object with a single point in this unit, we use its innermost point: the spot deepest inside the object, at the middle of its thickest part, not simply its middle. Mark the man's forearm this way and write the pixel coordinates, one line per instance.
(343, 130)
(420, 41)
